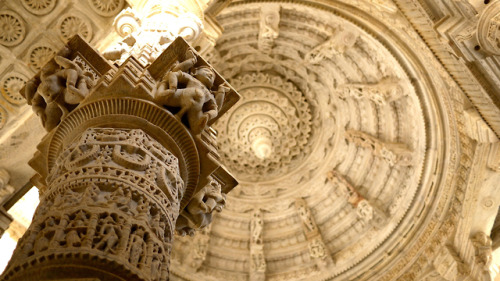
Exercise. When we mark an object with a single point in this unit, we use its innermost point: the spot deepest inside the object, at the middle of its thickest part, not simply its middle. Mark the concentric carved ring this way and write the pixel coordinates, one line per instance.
(268, 131)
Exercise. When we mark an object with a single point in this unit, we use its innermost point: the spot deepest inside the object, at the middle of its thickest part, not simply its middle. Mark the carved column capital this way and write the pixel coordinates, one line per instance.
(128, 149)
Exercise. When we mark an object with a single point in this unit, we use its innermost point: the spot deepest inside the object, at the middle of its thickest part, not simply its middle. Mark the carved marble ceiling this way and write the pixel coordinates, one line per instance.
(329, 144)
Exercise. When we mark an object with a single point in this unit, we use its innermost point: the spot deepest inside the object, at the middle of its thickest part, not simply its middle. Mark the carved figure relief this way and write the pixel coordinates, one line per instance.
(385, 91)
(13, 28)
(269, 27)
(483, 246)
(5, 188)
(198, 245)
(364, 210)
(337, 44)
(305, 215)
(189, 88)
(61, 86)
(317, 248)
(257, 260)
(198, 213)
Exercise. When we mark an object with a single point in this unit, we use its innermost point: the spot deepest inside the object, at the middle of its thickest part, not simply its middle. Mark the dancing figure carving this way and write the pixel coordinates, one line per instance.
(189, 88)
(198, 213)
(61, 85)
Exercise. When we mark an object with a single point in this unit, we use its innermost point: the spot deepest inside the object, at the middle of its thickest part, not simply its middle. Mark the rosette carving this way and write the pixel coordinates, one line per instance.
(11, 85)
(71, 25)
(39, 56)
(39, 7)
(12, 29)
(107, 8)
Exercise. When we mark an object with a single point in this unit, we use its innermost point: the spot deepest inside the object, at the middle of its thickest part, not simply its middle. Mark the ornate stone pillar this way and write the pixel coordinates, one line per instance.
(128, 151)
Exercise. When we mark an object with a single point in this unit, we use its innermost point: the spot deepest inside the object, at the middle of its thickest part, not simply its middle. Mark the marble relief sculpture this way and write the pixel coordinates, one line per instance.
(189, 88)
(62, 84)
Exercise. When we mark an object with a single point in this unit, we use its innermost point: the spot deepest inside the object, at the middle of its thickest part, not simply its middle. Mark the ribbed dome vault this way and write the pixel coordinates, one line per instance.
(329, 144)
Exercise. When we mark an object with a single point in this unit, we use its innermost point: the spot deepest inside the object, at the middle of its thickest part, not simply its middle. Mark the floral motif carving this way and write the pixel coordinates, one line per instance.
(11, 85)
(12, 28)
(107, 8)
(39, 56)
(71, 25)
(39, 7)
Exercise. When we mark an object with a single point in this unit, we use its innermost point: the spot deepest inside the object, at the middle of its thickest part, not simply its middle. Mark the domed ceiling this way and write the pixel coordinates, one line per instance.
(329, 144)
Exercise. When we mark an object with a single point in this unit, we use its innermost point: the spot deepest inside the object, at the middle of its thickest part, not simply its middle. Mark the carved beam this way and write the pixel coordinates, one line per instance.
(365, 209)
(342, 39)
(393, 153)
(385, 91)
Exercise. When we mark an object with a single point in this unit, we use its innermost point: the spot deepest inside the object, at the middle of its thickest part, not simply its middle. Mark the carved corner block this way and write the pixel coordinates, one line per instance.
(177, 52)
(64, 81)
